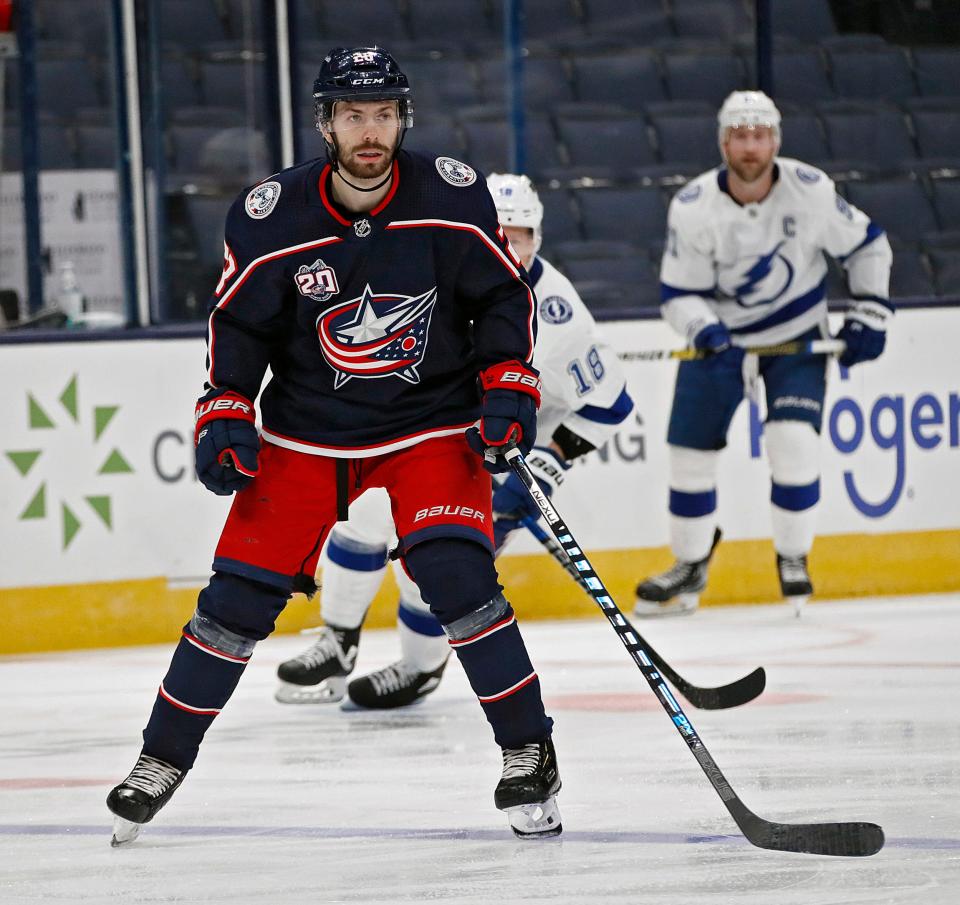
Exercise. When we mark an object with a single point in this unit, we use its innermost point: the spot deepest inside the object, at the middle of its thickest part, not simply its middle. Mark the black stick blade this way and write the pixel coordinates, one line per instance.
(848, 840)
(732, 695)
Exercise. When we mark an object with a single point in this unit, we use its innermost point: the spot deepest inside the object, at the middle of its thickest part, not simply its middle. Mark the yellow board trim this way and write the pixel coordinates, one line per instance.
(149, 611)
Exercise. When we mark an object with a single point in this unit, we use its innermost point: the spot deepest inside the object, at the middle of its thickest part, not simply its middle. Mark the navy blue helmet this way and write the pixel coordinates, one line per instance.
(361, 73)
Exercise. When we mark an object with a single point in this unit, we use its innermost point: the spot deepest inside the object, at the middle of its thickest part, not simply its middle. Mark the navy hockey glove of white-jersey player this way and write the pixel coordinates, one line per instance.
(512, 500)
(714, 338)
(227, 442)
(508, 414)
(864, 331)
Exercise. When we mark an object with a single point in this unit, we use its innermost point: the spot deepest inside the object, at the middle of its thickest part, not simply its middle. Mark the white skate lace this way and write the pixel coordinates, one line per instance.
(152, 776)
(393, 677)
(793, 568)
(521, 761)
(325, 648)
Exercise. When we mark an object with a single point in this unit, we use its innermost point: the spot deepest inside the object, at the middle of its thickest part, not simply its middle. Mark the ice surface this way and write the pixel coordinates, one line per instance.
(310, 804)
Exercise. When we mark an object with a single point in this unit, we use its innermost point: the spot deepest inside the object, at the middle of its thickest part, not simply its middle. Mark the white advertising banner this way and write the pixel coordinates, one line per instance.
(96, 459)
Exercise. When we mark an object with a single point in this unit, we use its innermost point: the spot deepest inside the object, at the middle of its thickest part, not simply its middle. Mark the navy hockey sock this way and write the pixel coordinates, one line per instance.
(458, 580)
(197, 685)
(499, 670)
(232, 614)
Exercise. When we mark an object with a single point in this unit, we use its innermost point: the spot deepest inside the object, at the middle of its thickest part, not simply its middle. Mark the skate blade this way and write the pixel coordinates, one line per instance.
(540, 819)
(681, 605)
(329, 691)
(798, 603)
(124, 832)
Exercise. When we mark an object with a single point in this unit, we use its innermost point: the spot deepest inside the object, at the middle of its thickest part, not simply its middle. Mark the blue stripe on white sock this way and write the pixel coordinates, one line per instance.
(419, 622)
(793, 497)
(358, 557)
(692, 505)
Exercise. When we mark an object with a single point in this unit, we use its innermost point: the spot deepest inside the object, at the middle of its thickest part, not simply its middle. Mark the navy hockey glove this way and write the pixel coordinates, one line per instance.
(508, 414)
(864, 331)
(227, 442)
(512, 500)
(714, 338)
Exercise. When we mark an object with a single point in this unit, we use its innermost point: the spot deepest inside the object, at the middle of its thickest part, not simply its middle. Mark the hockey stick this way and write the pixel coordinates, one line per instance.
(808, 347)
(850, 839)
(720, 698)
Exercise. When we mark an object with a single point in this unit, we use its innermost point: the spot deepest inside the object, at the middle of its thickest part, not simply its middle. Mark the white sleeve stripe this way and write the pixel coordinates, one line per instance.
(504, 259)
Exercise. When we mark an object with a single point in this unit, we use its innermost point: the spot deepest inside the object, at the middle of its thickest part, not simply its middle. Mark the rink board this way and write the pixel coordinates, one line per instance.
(105, 534)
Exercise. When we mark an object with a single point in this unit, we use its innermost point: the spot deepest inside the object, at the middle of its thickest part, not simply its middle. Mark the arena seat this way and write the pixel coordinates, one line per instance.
(900, 206)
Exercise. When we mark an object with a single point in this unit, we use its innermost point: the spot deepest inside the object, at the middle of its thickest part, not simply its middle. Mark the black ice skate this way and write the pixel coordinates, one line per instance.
(396, 685)
(676, 591)
(319, 674)
(795, 581)
(527, 790)
(137, 799)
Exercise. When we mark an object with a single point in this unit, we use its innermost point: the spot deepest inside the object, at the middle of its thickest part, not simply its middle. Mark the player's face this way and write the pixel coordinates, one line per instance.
(521, 238)
(366, 133)
(750, 151)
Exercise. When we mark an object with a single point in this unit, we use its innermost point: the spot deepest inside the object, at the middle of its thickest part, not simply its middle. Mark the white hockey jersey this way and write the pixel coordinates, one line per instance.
(759, 268)
(584, 387)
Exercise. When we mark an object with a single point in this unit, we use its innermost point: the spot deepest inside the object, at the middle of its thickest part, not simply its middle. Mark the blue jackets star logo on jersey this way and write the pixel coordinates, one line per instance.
(377, 335)
(769, 276)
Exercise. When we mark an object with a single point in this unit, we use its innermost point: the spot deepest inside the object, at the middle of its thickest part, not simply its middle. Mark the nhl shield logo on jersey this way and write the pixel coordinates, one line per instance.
(377, 335)
(455, 172)
(317, 282)
(262, 199)
(362, 228)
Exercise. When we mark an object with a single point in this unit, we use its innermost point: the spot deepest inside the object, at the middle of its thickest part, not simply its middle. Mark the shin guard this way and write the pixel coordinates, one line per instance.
(491, 650)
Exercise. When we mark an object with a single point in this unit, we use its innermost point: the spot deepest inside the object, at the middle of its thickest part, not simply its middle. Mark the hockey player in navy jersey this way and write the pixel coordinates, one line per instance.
(584, 401)
(744, 265)
(379, 288)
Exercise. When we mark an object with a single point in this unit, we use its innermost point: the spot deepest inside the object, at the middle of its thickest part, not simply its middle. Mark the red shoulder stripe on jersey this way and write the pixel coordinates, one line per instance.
(250, 268)
(496, 249)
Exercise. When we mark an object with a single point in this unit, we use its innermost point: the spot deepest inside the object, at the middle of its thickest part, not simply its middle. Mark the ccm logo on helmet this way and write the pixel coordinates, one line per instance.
(462, 511)
(218, 405)
(367, 81)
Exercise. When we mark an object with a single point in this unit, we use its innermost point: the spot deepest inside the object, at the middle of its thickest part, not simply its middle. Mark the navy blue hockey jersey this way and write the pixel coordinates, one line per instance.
(374, 325)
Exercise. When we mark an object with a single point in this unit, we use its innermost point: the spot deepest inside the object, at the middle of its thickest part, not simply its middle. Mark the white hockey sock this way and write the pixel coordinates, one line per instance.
(693, 502)
(425, 652)
(423, 643)
(793, 449)
(352, 574)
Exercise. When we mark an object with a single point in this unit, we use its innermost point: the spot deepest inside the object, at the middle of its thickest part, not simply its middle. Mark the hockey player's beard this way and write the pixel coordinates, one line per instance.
(359, 169)
(750, 171)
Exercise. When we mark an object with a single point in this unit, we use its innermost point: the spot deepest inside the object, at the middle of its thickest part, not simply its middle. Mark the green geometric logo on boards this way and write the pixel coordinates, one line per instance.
(37, 507)
(115, 464)
(71, 525)
(68, 398)
(24, 461)
(102, 416)
(101, 505)
(37, 416)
